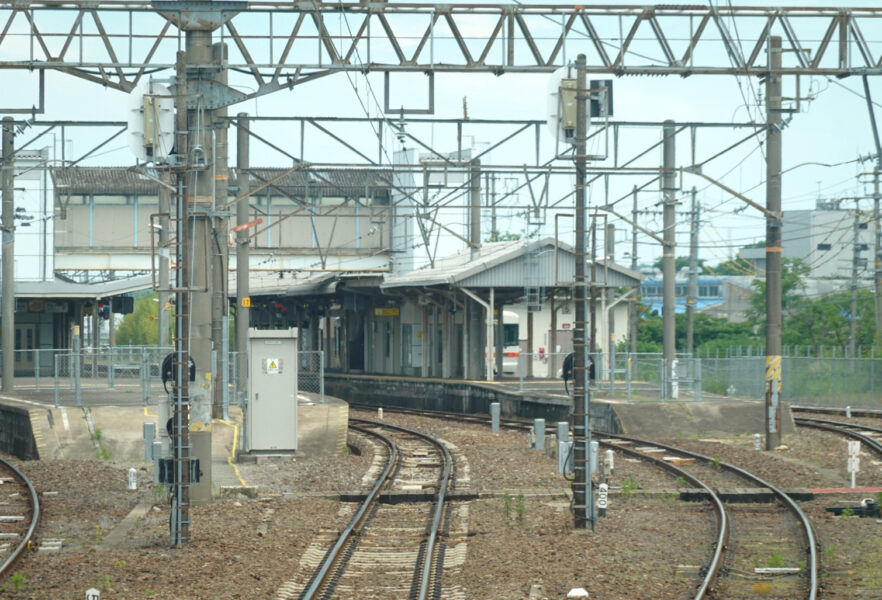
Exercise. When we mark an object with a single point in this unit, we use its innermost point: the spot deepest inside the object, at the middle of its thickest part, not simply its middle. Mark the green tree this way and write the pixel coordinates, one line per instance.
(826, 321)
(141, 327)
(793, 274)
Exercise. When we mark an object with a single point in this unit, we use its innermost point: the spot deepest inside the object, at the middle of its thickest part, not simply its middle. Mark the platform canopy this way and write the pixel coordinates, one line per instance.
(543, 263)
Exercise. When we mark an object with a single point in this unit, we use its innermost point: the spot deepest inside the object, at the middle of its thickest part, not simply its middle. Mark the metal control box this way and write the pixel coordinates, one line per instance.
(272, 393)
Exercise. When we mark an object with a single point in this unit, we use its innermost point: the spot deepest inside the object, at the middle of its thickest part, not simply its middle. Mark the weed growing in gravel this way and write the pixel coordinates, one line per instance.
(506, 506)
(776, 561)
(847, 512)
(99, 533)
(97, 435)
(120, 564)
(520, 507)
(18, 581)
(160, 492)
(715, 462)
(681, 481)
(628, 488)
(104, 582)
(149, 592)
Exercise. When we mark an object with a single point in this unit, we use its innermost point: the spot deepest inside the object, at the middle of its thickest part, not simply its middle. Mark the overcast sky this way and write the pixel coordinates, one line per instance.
(831, 128)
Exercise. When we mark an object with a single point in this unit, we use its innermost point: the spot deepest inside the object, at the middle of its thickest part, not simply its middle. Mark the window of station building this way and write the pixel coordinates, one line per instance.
(681, 290)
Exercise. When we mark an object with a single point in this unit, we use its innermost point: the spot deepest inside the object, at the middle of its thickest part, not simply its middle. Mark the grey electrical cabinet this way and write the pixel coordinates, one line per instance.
(272, 394)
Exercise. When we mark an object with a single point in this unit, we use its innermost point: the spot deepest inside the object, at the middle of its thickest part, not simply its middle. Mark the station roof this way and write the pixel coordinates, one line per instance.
(128, 181)
(62, 288)
(515, 264)
(265, 283)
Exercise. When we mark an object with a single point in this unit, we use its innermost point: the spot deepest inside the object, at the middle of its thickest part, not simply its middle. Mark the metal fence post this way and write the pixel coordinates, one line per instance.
(145, 377)
(111, 372)
(520, 372)
(78, 392)
(55, 361)
(696, 386)
(37, 369)
(628, 376)
(321, 360)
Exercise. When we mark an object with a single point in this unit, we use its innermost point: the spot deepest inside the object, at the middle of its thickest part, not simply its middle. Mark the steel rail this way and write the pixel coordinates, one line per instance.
(842, 428)
(330, 558)
(35, 519)
(440, 494)
(785, 499)
(716, 563)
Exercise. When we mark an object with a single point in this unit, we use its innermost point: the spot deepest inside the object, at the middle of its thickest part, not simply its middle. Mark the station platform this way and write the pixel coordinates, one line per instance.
(109, 425)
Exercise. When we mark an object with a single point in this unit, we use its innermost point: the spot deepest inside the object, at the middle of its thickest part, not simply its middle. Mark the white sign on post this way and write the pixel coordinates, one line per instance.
(854, 459)
(93, 594)
(602, 499)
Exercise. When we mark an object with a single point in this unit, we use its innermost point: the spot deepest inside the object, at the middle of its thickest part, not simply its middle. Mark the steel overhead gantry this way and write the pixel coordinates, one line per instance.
(98, 42)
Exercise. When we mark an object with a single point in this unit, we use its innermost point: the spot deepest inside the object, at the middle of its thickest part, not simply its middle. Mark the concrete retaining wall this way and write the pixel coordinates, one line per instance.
(16, 433)
(460, 397)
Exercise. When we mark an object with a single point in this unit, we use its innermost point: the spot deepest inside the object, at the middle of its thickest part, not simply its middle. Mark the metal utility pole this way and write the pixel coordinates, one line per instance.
(583, 497)
(632, 305)
(243, 301)
(773, 246)
(7, 312)
(692, 295)
(669, 247)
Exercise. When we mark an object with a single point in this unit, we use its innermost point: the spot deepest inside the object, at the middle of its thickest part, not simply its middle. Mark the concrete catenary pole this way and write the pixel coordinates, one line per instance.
(218, 246)
(632, 304)
(243, 301)
(668, 256)
(180, 517)
(692, 296)
(877, 250)
(7, 312)
(855, 262)
(773, 246)
(583, 504)
(610, 258)
(164, 261)
(475, 207)
(201, 66)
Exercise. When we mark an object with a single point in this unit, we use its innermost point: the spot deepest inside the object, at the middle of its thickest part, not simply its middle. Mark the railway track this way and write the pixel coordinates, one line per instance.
(19, 516)
(763, 548)
(397, 539)
(869, 435)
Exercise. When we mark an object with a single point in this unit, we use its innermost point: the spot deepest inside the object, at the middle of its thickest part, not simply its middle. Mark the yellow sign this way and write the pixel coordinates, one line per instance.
(386, 312)
(246, 302)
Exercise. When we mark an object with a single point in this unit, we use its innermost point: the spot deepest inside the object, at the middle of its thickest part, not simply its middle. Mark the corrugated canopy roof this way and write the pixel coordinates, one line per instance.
(126, 180)
(504, 265)
(59, 288)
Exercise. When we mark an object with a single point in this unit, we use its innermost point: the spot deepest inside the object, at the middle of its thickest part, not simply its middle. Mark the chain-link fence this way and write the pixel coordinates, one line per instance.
(311, 373)
(132, 369)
